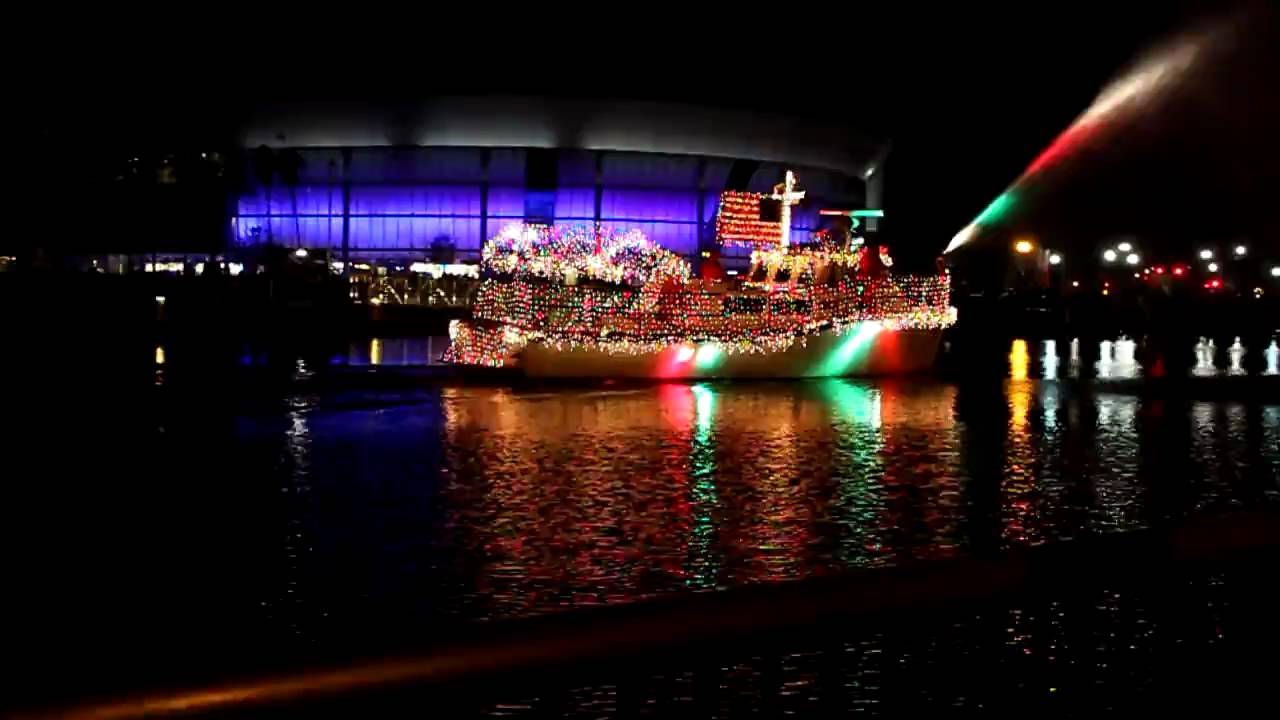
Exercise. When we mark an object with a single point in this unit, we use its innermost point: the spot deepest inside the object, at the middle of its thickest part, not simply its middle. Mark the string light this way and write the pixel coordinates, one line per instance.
(662, 310)
(564, 253)
(738, 221)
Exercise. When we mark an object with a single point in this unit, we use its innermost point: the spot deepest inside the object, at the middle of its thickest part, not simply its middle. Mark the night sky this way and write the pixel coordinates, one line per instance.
(968, 97)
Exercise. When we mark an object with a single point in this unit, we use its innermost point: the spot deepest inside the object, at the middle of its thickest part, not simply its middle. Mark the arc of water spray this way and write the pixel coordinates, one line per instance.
(1142, 85)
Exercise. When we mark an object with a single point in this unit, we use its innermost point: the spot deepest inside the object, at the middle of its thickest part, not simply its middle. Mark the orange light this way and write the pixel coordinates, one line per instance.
(1023, 247)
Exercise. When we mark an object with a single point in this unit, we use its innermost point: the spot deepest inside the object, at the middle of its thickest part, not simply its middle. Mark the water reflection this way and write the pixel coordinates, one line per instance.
(1125, 358)
(394, 351)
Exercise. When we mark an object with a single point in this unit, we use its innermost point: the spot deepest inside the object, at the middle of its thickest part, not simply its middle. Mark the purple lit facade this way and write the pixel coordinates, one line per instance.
(402, 202)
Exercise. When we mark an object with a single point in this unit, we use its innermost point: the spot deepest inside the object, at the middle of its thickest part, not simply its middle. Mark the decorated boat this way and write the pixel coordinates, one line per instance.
(599, 302)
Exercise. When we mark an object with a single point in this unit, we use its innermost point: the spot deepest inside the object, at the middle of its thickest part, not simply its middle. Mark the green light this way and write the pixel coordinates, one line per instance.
(704, 402)
(998, 209)
(708, 356)
(850, 348)
(867, 213)
(855, 403)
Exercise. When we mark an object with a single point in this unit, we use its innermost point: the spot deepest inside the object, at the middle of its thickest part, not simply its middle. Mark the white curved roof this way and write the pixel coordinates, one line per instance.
(515, 121)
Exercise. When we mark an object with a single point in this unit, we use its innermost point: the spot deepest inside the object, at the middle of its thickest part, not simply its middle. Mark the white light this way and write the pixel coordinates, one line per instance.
(159, 299)
(200, 268)
(730, 272)
(235, 268)
(1125, 247)
(1132, 258)
(300, 252)
(1275, 271)
(419, 267)
(337, 265)
(1109, 255)
(1206, 254)
(962, 237)
(1055, 259)
(871, 170)
(1213, 267)
(1241, 251)
(685, 354)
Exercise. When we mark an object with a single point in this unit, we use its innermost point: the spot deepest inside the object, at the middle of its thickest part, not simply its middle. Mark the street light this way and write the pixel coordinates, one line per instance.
(1241, 251)
(1023, 247)
(1206, 254)
(1213, 267)
(1055, 259)
(1109, 255)
(1132, 258)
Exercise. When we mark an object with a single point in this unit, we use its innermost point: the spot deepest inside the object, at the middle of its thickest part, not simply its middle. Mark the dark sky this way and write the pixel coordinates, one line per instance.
(967, 95)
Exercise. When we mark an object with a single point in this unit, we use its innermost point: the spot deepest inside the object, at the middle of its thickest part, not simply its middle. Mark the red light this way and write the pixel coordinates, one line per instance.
(1217, 283)
(1178, 270)
(1159, 269)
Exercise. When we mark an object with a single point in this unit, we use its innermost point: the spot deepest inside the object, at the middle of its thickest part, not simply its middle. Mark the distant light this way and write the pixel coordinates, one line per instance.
(1275, 271)
(1206, 254)
(204, 155)
(1241, 251)
(300, 252)
(1106, 291)
(160, 299)
(1132, 258)
(1124, 247)
(1159, 269)
(1075, 283)
(730, 272)
(1023, 247)
(871, 170)
(1137, 275)
(1213, 267)
(1055, 259)
(235, 268)
(337, 266)
(684, 354)
(159, 355)
(1215, 283)
(375, 301)
(419, 267)
(1179, 270)
(1109, 255)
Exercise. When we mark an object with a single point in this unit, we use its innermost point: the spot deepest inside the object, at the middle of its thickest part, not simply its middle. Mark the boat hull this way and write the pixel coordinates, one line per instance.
(865, 351)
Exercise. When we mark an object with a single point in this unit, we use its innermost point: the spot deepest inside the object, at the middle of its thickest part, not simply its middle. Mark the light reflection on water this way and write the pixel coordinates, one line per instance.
(1119, 359)
(487, 502)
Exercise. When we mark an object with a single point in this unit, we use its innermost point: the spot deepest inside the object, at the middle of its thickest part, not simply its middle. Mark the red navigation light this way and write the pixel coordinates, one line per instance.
(1159, 269)
(1179, 270)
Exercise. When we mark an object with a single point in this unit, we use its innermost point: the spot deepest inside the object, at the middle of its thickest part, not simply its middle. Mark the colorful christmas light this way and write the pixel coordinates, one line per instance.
(630, 321)
(569, 253)
(738, 221)
(648, 305)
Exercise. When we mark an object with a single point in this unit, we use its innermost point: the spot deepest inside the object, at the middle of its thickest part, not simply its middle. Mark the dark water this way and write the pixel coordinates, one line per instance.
(374, 518)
